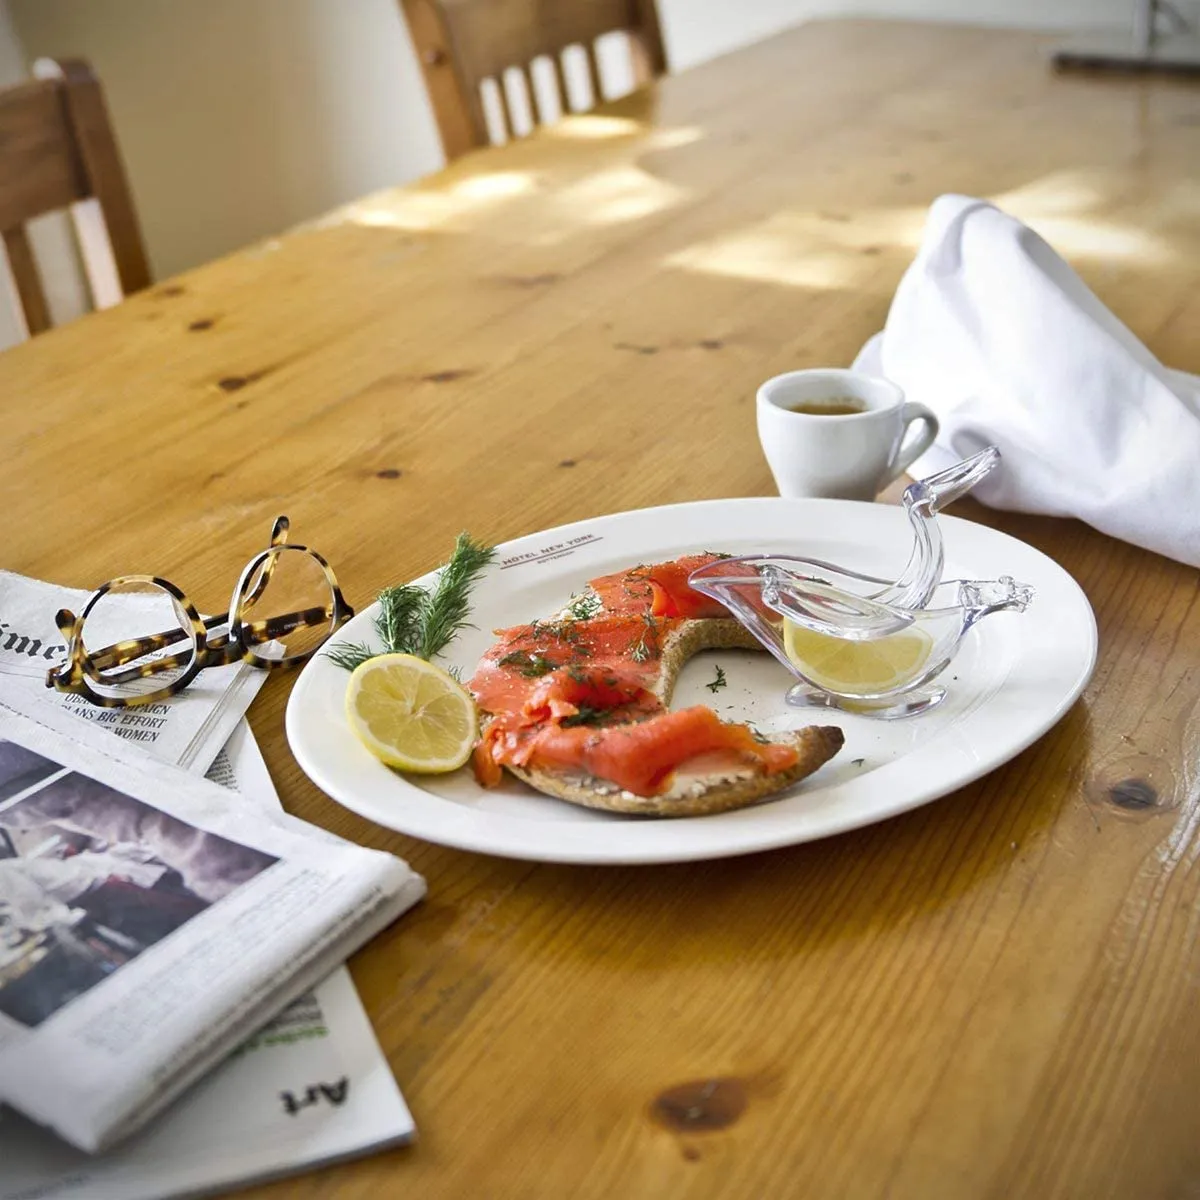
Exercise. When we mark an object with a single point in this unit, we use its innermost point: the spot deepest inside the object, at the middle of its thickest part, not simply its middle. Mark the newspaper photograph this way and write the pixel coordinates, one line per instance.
(151, 920)
(90, 878)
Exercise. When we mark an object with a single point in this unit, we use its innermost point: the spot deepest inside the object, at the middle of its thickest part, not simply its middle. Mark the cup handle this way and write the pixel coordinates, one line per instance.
(912, 448)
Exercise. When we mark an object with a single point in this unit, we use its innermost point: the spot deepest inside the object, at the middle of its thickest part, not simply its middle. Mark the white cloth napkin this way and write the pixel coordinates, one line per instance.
(995, 333)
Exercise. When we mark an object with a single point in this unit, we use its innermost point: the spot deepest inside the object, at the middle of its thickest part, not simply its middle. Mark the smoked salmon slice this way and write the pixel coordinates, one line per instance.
(642, 756)
(661, 589)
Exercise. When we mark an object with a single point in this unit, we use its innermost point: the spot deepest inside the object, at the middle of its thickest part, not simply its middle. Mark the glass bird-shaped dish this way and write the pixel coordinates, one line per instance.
(922, 501)
(851, 651)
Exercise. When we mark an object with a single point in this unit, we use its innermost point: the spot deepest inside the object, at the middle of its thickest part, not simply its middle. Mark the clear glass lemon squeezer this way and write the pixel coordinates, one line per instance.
(858, 642)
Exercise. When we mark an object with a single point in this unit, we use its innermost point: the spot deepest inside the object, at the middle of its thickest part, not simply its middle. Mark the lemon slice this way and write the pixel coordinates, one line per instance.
(411, 714)
(857, 668)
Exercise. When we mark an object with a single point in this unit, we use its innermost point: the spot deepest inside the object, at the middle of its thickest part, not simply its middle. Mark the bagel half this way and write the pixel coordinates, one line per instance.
(690, 794)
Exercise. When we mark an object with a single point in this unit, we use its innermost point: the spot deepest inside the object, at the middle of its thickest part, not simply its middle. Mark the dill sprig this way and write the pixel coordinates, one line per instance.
(399, 616)
(350, 654)
(412, 620)
(443, 613)
(717, 683)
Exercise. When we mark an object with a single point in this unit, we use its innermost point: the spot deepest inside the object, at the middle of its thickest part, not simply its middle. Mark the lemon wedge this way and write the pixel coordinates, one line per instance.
(411, 714)
(857, 668)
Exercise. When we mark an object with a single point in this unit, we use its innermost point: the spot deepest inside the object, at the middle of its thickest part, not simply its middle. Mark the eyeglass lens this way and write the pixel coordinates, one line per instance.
(137, 611)
(292, 597)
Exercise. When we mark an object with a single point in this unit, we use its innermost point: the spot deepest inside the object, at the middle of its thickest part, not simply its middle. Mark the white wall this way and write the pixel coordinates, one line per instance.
(12, 55)
(697, 30)
(238, 118)
(12, 70)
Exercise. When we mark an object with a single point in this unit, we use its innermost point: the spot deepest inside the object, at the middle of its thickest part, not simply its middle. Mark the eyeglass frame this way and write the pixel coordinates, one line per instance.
(73, 675)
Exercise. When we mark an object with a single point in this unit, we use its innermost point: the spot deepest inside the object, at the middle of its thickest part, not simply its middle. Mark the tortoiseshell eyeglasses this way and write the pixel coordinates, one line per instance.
(113, 664)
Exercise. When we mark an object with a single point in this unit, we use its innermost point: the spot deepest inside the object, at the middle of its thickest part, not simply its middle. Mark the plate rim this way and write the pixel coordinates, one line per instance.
(462, 833)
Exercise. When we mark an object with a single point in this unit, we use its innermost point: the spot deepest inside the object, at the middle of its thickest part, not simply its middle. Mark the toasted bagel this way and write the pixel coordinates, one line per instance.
(693, 794)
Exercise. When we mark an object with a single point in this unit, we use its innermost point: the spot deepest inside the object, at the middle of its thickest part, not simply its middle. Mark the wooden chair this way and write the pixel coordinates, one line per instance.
(462, 44)
(57, 151)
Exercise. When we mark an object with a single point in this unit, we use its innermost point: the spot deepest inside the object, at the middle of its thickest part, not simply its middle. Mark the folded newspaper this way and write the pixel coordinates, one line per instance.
(151, 920)
(311, 1087)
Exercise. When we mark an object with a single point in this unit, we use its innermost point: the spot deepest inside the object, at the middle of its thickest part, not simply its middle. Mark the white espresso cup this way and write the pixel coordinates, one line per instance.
(852, 455)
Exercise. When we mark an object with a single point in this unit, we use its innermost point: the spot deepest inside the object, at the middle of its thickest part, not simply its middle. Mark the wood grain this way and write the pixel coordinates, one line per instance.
(993, 996)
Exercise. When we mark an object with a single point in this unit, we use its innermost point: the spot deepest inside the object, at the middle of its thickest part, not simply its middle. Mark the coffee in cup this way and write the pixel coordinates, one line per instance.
(839, 433)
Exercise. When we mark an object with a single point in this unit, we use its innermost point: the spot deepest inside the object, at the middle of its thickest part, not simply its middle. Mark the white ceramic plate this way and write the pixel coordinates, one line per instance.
(1015, 675)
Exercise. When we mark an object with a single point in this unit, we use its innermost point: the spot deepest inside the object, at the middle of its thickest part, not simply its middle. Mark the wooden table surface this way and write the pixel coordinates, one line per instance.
(995, 995)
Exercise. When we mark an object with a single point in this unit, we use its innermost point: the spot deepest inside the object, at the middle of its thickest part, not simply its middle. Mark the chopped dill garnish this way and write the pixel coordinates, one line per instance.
(413, 620)
(636, 583)
(718, 554)
(646, 646)
(587, 715)
(532, 666)
(566, 631)
(717, 683)
(584, 606)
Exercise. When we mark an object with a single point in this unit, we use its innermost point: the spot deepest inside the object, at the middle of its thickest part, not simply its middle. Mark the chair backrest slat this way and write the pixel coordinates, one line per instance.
(28, 282)
(57, 151)
(40, 169)
(462, 43)
(105, 172)
(593, 69)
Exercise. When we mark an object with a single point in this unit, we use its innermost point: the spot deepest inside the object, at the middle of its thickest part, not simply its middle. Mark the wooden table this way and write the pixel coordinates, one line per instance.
(995, 995)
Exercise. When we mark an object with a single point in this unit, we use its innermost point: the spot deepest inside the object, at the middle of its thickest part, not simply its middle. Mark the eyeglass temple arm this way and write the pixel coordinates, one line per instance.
(254, 632)
(279, 537)
(123, 652)
(273, 627)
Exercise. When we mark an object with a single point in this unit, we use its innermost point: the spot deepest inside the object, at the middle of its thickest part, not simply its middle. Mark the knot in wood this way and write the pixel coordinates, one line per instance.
(700, 1105)
(1133, 794)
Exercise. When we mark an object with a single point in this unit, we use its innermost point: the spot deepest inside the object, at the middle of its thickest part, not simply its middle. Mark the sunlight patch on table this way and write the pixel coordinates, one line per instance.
(1067, 209)
(1060, 192)
(493, 186)
(812, 249)
(435, 208)
(1083, 237)
(624, 193)
(767, 259)
(593, 127)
